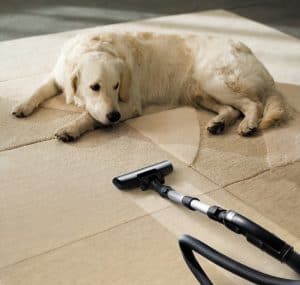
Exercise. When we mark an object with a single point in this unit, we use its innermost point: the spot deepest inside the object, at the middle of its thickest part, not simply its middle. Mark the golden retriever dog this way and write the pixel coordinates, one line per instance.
(113, 76)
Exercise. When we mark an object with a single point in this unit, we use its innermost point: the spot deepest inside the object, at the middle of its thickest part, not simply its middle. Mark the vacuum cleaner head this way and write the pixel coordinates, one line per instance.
(137, 177)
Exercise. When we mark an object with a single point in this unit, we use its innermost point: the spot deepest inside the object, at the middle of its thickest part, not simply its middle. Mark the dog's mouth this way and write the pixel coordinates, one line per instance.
(109, 119)
(108, 126)
(101, 124)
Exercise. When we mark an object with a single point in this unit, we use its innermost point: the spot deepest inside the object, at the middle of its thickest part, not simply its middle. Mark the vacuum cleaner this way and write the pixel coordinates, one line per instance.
(152, 177)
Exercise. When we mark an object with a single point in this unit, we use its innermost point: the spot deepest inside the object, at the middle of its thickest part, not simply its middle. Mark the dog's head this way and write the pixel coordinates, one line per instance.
(98, 83)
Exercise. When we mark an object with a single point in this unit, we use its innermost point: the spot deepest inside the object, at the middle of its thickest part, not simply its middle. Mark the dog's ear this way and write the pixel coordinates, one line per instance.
(125, 83)
(71, 86)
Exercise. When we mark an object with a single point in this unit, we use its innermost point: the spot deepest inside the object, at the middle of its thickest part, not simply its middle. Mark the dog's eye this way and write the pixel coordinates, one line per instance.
(116, 86)
(95, 87)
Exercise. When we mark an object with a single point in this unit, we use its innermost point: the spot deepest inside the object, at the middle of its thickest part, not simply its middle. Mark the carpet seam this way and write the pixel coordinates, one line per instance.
(26, 144)
(261, 172)
(67, 112)
(82, 239)
(199, 144)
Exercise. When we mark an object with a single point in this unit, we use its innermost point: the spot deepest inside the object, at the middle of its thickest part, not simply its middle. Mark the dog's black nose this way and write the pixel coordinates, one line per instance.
(113, 116)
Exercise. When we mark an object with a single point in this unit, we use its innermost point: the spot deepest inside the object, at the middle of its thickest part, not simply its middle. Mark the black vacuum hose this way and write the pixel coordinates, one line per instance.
(189, 244)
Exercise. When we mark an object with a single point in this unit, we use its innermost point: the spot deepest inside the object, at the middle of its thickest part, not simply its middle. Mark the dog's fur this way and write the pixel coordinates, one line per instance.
(134, 70)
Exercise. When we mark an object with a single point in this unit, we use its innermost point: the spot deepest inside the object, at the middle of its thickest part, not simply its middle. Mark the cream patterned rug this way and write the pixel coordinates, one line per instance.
(63, 222)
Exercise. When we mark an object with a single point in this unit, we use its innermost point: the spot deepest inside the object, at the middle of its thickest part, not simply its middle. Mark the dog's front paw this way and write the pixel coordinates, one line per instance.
(216, 128)
(22, 110)
(66, 135)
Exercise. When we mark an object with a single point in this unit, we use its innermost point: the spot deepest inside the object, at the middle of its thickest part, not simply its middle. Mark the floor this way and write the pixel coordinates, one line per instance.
(61, 219)
(35, 17)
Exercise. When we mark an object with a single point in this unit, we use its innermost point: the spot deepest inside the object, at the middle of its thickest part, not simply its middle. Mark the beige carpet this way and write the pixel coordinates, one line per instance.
(62, 221)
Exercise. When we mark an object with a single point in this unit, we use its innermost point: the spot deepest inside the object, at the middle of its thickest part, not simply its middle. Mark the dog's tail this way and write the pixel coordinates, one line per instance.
(275, 109)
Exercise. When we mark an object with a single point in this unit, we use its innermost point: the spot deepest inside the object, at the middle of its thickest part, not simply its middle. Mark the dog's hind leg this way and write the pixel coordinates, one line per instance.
(46, 90)
(75, 129)
(253, 112)
(226, 114)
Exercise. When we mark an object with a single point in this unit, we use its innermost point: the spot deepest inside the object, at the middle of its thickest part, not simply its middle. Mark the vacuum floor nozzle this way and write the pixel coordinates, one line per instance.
(134, 178)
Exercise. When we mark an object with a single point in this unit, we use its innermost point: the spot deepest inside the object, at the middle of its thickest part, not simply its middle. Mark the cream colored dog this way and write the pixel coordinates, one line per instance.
(115, 75)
